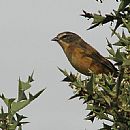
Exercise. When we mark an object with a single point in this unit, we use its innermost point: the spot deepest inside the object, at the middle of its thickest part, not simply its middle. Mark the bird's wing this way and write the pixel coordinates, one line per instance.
(94, 54)
(103, 61)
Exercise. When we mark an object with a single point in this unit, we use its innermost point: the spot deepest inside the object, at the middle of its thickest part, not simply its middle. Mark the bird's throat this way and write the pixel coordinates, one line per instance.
(64, 46)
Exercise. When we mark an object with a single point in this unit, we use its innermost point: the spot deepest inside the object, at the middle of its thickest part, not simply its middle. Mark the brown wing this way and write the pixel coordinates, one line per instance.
(99, 59)
(106, 63)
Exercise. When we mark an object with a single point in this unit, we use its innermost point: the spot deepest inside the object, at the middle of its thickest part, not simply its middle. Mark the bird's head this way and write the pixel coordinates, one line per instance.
(67, 38)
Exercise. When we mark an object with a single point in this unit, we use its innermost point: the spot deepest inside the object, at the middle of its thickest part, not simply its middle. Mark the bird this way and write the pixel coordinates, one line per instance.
(82, 56)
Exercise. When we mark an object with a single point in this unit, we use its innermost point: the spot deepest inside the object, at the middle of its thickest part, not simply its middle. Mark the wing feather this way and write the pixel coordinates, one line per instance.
(94, 54)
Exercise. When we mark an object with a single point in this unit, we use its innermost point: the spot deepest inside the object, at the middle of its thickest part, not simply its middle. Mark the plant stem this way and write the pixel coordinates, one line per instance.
(119, 79)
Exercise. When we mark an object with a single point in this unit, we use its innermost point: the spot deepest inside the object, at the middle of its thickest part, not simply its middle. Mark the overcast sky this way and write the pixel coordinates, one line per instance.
(26, 30)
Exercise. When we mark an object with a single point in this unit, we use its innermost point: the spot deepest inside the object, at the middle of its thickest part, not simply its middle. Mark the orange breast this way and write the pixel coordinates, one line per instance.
(78, 61)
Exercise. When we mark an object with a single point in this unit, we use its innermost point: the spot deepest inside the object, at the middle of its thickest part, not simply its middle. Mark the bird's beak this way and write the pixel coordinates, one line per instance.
(54, 39)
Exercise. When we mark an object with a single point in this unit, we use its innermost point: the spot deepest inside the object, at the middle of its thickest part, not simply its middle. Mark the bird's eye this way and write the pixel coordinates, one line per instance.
(65, 36)
(68, 37)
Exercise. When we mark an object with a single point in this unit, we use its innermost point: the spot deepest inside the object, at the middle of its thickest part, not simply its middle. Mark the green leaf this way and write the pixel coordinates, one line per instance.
(16, 106)
(122, 39)
(90, 84)
(31, 97)
(70, 78)
(127, 24)
(20, 117)
(6, 100)
(30, 78)
(109, 44)
(119, 56)
(24, 85)
(64, 72)
(118, 23)
(123, 4)
(98, 18)
(12, 126)
(20, 127)
(126, 62)
(101, 115)
(119, 43)
(3, 115)
(91, 118)
(90, 107)
(107, 99)
(74, 96)
(111, 51)
(22, 95)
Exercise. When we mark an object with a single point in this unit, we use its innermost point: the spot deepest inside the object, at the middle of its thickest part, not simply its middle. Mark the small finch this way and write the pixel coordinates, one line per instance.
(83, 57)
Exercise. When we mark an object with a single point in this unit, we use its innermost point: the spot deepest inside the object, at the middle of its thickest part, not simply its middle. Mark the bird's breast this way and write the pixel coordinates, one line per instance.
(78, 61)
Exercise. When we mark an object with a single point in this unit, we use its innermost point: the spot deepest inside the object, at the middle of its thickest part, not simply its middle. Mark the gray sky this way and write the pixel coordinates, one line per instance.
(26, 30)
